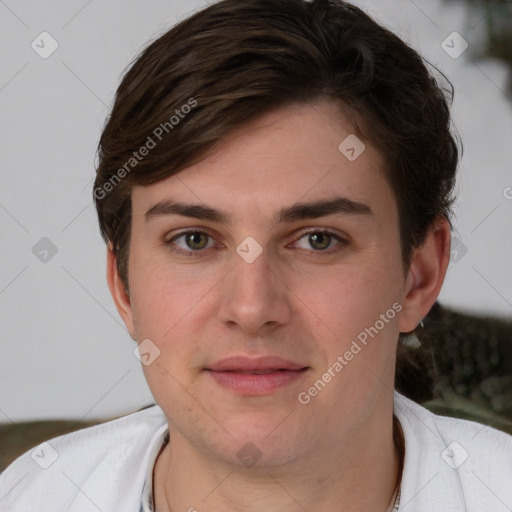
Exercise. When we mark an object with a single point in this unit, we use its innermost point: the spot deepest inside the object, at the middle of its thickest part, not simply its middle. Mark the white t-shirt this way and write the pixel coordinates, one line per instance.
(450, 465)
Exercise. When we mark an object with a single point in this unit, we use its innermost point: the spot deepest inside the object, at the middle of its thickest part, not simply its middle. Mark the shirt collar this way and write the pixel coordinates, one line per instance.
(148, 502)
(424, 479)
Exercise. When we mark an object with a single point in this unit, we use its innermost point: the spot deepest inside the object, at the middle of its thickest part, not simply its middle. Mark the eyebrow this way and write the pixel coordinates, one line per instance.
(299, 211)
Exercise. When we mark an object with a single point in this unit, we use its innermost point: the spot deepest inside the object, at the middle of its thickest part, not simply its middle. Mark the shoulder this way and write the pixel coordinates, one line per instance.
(90, 465)
(452, 463)
(443, 428)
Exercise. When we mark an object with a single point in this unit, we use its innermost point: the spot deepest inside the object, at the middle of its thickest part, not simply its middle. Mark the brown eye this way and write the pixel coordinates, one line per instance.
(319, 240)
(197, 240)
(191, 243)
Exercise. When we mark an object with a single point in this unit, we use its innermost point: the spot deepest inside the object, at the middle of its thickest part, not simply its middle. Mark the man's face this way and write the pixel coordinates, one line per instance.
(302, 288)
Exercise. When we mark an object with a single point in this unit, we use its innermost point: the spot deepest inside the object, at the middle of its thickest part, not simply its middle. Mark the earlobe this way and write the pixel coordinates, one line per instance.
(426, 275)
(118, 292)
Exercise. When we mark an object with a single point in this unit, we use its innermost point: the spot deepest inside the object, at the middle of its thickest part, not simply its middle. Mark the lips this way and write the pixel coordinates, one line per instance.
(255, 376)
(265, 364)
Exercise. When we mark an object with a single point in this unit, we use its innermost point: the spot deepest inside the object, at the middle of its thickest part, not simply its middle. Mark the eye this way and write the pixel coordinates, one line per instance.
(195, 241)
(320, 240)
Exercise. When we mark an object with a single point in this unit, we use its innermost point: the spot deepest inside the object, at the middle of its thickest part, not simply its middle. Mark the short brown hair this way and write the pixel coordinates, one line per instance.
(238, 59)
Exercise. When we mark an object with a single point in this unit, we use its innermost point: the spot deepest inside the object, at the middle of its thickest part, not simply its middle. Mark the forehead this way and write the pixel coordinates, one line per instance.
(300, 153)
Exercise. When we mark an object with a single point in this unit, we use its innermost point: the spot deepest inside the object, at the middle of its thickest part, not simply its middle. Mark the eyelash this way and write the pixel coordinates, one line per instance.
(341, 242)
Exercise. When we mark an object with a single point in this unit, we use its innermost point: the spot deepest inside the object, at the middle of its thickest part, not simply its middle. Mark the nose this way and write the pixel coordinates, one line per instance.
(254, 295)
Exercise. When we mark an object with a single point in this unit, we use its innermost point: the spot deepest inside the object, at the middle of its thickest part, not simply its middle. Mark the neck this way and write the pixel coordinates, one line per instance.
(362, 474)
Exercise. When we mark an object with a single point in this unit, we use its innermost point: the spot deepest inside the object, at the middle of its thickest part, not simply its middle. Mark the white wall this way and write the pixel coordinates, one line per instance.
(64, 350)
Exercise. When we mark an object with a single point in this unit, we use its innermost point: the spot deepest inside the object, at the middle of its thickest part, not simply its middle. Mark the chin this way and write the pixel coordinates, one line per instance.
(263, 441)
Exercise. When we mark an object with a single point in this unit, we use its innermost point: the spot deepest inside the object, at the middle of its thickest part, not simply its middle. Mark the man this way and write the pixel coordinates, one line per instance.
(274, 187)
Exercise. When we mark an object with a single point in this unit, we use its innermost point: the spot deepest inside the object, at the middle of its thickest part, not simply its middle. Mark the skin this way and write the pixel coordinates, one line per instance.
(302, 300)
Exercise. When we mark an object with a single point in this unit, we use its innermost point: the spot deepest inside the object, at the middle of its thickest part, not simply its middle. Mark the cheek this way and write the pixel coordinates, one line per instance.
(165, 310)
(171, 303)
(160, 300)
(343, 302)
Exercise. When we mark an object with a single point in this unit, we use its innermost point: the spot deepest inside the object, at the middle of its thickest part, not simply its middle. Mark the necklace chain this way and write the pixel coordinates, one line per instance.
(399, 441)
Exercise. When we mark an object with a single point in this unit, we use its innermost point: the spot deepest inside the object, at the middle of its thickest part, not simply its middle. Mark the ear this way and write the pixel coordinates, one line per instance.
(118, 292)
(426, 275)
